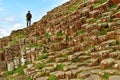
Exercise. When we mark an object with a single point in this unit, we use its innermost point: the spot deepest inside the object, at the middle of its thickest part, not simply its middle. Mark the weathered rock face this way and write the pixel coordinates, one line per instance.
(10, 66)
(78, 40)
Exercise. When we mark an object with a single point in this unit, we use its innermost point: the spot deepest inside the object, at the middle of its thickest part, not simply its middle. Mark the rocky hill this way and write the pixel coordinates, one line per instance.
(79, 40)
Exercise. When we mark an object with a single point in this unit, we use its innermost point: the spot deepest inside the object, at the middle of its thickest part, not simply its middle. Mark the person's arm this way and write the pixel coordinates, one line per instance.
(31, 15)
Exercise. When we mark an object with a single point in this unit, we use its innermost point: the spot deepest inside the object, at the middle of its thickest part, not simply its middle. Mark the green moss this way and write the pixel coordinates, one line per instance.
(113, 6)
(99, 3)
(75, 60)
(43, 56)
(25, 65)
(60, 67)
(44, 50)
(43, 73)
(34, 45)
(52, 77)
(117, 42)
(47, 35)
(19, 70)
(73, 8)
(103, 31)
(1, 50)
(106, 75)
(28, 78)
(59, 34)
(8, 73)
(89, 47)
(13, 42)
(80, 31)
(19, 36)
(41, 65)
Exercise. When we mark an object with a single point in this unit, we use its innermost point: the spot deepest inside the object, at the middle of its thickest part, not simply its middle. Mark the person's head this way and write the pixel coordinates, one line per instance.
(28, 11)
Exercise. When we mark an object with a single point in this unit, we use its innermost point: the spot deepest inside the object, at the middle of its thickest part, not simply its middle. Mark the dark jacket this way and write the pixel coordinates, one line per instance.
(28, 16)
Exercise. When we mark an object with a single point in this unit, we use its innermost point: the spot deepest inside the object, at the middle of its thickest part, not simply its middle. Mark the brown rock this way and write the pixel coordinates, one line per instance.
(58, 74)
(68, 74)
(83, 74)
(60, 59)
(116, 15)
(102, 38)
(83, 58)
(85, 12)
(107, 63)
(93, 62)
(43, 78)
(94, 13)
(93, 77)
(116, 1)
(111, 35)
(114, 77)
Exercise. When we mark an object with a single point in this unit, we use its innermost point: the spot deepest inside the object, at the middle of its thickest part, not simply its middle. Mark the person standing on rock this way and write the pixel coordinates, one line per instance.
(28, 18)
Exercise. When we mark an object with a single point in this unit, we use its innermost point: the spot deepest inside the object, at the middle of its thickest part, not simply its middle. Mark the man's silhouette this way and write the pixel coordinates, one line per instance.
(28, 18)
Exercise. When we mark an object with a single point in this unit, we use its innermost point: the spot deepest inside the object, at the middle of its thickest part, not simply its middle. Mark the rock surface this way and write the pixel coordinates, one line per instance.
(79, 40)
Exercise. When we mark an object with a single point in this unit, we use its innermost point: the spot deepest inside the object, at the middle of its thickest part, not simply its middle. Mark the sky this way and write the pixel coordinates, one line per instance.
(13, 13)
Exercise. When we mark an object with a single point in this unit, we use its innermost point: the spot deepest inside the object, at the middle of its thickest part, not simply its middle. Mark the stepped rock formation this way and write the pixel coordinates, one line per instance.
(79, 40)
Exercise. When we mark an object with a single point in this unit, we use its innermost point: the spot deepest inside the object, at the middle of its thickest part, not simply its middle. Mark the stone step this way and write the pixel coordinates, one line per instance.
(43, 78)
(60, 59)
(83, 74)
(58, 74)
(105, 63)
(93, 77)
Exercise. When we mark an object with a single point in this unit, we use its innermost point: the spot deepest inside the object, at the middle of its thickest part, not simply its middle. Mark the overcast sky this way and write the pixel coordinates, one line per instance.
(13, 12)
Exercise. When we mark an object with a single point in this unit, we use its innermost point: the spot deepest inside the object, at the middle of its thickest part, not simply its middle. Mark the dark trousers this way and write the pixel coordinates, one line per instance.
(28, 22)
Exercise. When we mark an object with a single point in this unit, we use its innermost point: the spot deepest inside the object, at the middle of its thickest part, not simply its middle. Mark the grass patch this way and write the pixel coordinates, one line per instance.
(73, 8)
(99, 3)
(117, 42)
(44, 50)
(106, 75)
(13, 42)
(64, 55)
(113, 6)
(34, 45)
(60, 67)
(1, 50)
(75, 60)
(41, 65)
(25, 65)
(59, 34)
(19, 70)
(42, 56)
(52, 77)
(19, 36)
(44, 73)
(47, 35)
(103, 31)
(80, 31)
(28, 78)
(89, 47)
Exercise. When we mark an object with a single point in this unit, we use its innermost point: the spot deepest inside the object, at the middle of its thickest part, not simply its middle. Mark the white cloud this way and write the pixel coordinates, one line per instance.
(6, 31)
(3, 32)
(9, 19)
(17, 26)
